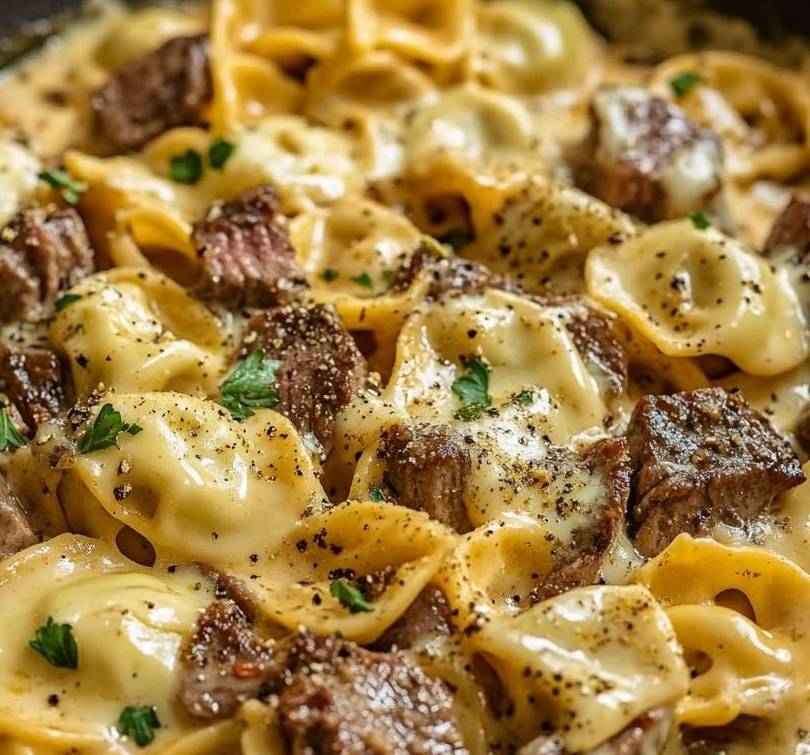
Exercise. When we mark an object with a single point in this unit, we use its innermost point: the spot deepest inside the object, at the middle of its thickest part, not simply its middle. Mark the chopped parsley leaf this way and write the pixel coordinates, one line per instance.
(525, 397)
(10, 436)
(63, 302)
(220, 152)
(376, 495)
(472, 389)
(251, 385)
(186, 168)
(56, 644)
(350, 597)
(139, 723)
(104, 430)
(700, 220)
(61, 179)
(457, 239)
(134, 429)
(364, 280)
(329, 274)
(682, 83)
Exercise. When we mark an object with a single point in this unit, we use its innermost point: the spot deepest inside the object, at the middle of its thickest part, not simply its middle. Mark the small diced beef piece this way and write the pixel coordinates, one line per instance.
(449, 276)
(646, 157)
(340, 699)
(165, 88)
(429, 616)
(224, 663)
(802, 430)
(321, 369)
(580, 562)
(41, 254)
(791, 230)
(701, 458)
(426, 468)
(246, 258)
(32, 379)
(15, 530)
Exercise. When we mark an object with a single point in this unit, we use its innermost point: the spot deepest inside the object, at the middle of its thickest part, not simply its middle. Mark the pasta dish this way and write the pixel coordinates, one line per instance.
(402, 376)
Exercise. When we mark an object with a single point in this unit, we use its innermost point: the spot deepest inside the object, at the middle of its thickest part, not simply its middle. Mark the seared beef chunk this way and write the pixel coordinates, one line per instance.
(41, 253)
(165, 88)
(224, 663)
(320, 370)
(341, 699)
(426, 468)
(580, 563)
(15, 531)
(427, 617)
(646, 157)
(646, 735)
(791, 230)
(246, 258)
(449, 276)
(32, 379)
(700, 458)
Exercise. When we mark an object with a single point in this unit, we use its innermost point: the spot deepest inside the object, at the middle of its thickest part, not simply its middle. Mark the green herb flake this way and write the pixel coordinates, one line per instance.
(186, 168)
(139, 722)
(134, 429)
(364, 280)
(329, 274)
(525, 397)
(350, 597)
(472, 389)
(104, 430)
(376, 495)
(10, 436)
(682, 83)
(700, 220)
(251, 385)
(220, 152)
(61, 179)
(56, 644)
(63, 302)
(457, 239)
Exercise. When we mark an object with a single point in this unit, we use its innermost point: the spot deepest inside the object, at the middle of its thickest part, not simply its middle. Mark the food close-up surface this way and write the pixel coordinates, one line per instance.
(404, 377)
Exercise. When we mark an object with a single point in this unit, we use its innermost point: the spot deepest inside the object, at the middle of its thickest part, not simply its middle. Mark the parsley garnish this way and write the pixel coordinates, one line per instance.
(61, 179)
(350, 597)
(472, 389)
(457, 239)
(104, 430)
(186, 168)
(376, 495)
(63, 302)
(329, 274)
(700, 220)
(684, 82)
(220, 152)
(56, 644)
(525, 397)
(250, 385)
(364, 280)
(139, 722)
(10, 436)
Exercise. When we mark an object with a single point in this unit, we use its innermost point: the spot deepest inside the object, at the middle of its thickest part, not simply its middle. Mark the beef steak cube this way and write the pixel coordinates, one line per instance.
(41, 254)
(701, 458)
(427, 617)
(15, 529)
(246, 258)
(580, 562)
(791, 230)
(321, 369)
(224, 663)
(426, 468)
(32, 379)
(165, 88)
(340, 699)
(646, 157)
